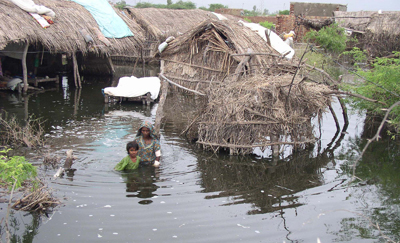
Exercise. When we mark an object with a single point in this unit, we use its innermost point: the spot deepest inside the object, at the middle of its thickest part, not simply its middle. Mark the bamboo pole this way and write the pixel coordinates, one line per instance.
(160, 108)
(24, 68)
(74, 68)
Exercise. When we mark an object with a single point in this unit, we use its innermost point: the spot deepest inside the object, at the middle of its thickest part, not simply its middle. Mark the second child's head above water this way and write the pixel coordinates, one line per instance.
(132, 148)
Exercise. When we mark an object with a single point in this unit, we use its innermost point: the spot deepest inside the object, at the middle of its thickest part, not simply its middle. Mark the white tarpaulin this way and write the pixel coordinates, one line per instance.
(276, 42)
(133, 87)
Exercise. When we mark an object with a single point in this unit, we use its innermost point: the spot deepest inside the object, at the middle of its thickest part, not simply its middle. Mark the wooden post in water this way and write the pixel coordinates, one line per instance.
(163, 96)
(24, 69)
(77, 78)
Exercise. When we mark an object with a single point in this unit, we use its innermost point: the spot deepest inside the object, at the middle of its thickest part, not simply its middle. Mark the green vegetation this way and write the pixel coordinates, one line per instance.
(247, 20)
(381, 83)
(15, 170)
(332, 38)
(178, 5)
(283, 12)
(267, 24)
(213, 7)
(120, 5)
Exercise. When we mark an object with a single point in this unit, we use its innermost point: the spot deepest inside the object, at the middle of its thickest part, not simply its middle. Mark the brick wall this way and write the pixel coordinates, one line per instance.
(286, 23)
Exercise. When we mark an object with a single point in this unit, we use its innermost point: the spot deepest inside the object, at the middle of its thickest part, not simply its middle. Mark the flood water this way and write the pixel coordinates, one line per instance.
(197, 196)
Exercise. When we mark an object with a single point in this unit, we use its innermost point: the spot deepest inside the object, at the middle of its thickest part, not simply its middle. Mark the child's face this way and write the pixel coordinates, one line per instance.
(133, 152)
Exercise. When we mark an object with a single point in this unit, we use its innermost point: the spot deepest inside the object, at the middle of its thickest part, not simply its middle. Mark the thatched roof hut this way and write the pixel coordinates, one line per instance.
(250, 101)
(159, 23)
(213, 51)
(64, 35)
(377, 32)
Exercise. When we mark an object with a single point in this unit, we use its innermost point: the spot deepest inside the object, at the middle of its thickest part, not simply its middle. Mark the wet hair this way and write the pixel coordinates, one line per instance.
(132, 144)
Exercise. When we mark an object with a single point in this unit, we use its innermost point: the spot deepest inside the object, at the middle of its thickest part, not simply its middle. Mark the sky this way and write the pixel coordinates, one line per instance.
(275, 5)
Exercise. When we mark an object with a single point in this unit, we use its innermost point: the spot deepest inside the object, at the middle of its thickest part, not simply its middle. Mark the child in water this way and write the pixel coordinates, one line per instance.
(130, 162)
(149, 145)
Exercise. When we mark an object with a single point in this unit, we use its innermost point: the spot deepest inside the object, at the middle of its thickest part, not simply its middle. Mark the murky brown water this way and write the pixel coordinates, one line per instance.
(197, 196)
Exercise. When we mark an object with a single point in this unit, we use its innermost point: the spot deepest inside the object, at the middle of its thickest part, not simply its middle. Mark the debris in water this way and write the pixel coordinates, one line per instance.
(258, 232)
(154, 229)
(107, 206)
(98, 235)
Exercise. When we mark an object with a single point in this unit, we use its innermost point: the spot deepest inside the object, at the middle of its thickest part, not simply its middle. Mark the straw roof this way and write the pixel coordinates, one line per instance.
(161, 23)
(64, 35)
(212, 51)
(371, 21)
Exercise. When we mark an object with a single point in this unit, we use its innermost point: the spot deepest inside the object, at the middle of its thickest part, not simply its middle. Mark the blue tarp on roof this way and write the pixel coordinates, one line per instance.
(110, 24)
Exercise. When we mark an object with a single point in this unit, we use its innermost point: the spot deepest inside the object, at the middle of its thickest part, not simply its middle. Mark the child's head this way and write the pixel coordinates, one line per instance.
(132, 146)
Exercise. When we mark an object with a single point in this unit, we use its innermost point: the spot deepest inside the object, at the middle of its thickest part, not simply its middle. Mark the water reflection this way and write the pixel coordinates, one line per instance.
(141, 183)
(268, 185)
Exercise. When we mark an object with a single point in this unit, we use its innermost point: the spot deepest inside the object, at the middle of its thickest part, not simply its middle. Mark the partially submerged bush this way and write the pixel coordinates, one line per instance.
(14, 134)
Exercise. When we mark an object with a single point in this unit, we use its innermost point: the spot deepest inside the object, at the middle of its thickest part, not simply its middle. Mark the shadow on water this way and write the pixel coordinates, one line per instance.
(196, 191)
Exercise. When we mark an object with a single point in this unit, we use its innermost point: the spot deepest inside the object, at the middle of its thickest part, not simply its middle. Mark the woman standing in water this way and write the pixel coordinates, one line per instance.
(149, 145)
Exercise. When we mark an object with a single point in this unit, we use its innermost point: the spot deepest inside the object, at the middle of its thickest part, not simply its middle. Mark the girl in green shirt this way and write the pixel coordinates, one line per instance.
(130, 162)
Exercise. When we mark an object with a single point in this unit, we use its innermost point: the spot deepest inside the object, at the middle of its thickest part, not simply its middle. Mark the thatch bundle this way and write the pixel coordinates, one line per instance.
(39, 200)
(212, 51)
(260, 112)
(65, 34)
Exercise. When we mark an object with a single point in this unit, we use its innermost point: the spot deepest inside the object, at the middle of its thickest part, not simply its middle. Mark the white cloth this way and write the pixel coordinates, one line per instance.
(13, 83)
(276, 42)
(30, 7)
(133, 87)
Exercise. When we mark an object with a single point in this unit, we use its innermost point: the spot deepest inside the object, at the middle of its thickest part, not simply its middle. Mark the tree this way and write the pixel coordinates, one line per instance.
(169, 2)
(284, 12)
(120, 5)
(331, 38)
(214, 6)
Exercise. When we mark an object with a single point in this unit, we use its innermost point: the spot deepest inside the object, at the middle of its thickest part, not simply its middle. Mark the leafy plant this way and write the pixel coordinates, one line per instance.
(381, 83)
(15, 170)
(358, 55)
(267, 24)
(331, 38)
(247, 20)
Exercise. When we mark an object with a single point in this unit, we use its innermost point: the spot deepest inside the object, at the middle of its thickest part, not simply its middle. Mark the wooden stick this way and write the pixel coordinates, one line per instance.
(355, 95)
(180, 86)
(253, 146)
